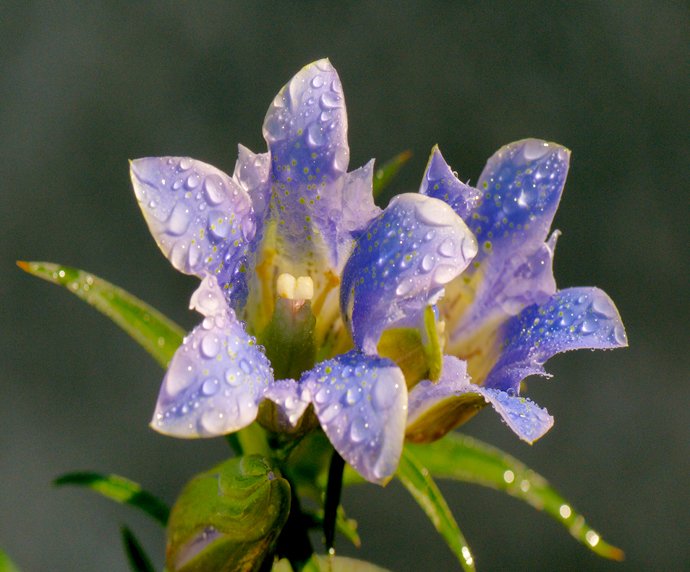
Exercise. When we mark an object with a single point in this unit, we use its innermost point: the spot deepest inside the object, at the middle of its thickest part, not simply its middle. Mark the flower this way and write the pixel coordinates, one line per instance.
(312, 295)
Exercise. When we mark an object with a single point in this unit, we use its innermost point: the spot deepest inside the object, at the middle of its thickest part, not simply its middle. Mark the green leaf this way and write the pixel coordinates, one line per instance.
(155, 333)
(346, 526)
(416, 479)
(332, 564)
(463, 458)
(138, 559)
(120, 490)
(6, 565)
(385, 174)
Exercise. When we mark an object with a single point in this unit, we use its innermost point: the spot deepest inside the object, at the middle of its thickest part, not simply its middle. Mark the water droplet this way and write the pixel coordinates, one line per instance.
(153, 204)
(510, 205)
(330, 100)
(336, 86)
(358, 430)
(322, 395)
(317, 81)
(210, 386)
(535, 149)
(214, 189)
(315, 136)
(427, 262)
(447, 247)
(429, 235)
(510, 392)
(341, 159)
(590, 324)
(185, 164)
(245, 367)
(619, 335)
(444, 273)
(325, 116)
(330, 413)
(353, 396)
(385, 393)
(193, 181)
(210, 345)
(179, 219)
(194, 257)
(568, 318)
(433, 212)
(213, 421)
(177, 184)
(582, 299)
(404, 287)
(604, 306)
(218, 224)
(232, 377)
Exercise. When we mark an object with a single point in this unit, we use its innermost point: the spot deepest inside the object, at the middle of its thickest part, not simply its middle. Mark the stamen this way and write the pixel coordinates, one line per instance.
(301, 288)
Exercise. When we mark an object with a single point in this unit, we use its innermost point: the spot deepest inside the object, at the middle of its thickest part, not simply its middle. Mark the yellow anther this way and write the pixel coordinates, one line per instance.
(301, 288)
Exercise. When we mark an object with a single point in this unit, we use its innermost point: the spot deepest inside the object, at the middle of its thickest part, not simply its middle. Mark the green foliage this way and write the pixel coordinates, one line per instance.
(384, 175)
(463, 458)
(416, 479)
(6, 565)
(138, 560)
(152, 330)
(120, 490)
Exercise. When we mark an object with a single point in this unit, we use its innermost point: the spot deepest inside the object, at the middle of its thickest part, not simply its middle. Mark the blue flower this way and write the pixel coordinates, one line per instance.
(356, 306)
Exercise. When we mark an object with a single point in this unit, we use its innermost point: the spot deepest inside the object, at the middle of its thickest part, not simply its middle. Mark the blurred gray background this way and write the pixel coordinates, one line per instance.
(85, 86)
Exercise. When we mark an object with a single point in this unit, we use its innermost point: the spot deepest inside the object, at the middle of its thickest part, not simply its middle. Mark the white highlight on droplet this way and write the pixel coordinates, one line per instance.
(592, 537)
(565, 511)
(509, 476)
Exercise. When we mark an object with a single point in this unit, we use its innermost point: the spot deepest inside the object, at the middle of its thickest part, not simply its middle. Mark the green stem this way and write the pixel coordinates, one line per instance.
(293, 542)
(333, 490)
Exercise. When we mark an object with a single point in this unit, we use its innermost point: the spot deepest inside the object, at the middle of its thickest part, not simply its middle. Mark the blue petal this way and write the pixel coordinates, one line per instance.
(253, 173)
(361, 403)
(574, 318)
(201, 218)
(306, 131)
(522, 185)
(441, 183)
(401, 264)
(216, 378)
(287, 395)
(525, 418)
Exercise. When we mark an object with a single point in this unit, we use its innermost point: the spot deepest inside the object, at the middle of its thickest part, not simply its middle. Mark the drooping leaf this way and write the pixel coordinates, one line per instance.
(332, 564)
(157, 334)
(388, 170)
(6, 565)
(466, 459)
(120, 490)
(417, 480)
(138, 559)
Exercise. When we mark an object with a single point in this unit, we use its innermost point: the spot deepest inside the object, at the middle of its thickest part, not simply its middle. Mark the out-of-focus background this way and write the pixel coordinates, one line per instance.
(87, 85)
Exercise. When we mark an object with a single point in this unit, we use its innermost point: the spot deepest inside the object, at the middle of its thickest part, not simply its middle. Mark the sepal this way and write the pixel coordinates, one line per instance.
(228, 518)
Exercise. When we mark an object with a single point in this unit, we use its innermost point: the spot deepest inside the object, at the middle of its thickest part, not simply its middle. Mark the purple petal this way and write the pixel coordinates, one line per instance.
(306, 131)
(441, 183)
(287, 395)
(253, 174)
(526, 419)
(522, 185)
(202, 220)
(574, 318)
(216, 378)
(401, 264)
(361, 403)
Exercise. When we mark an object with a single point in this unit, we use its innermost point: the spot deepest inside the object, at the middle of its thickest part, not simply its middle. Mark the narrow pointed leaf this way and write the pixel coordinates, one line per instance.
(417, 480)
(120, 490)
(388, 170)
(138, 559)
(466, 459)
(152, 330)
(6, 565)
(331, 564)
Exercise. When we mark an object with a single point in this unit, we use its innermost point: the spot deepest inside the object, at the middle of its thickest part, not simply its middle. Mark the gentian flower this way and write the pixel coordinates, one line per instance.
(312, 295)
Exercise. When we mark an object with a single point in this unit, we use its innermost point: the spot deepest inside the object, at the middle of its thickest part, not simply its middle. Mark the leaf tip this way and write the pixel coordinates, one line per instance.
(25, 266)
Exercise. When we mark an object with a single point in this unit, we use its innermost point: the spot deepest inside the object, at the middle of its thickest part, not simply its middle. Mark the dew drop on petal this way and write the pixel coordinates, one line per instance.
(245, 367)
(213, 421)
(444, 273)
(447, 247)
(214, 189)
(210, 386)
(330, 101)
(315, 136)
(427, 262)
(404, 287)
(317, 82)
(321, 395)
(358, 430)
(210, 345)
(179, 219)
